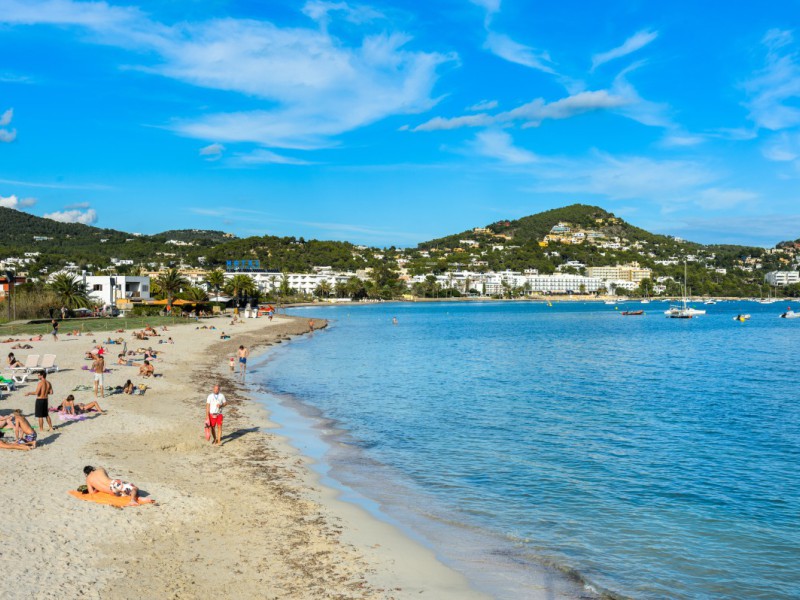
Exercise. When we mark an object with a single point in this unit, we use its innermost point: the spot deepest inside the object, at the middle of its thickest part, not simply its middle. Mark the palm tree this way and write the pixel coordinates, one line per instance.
(240, 284)
(323, 289)
(215, 280)
(195, 294)
(70, 291)
(169, 284)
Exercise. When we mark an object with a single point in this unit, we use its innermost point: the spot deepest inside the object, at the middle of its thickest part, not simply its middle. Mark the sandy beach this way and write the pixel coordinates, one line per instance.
(246, 519)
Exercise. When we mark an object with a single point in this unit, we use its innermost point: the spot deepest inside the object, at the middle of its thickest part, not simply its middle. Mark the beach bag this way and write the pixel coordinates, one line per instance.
(208, 430)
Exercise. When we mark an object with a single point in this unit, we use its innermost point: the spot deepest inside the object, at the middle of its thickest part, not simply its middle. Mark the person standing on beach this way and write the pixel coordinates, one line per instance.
(214, 404)
(98, 368)
(311, 325)
(55, 330)
(42, 393)
(243, 354)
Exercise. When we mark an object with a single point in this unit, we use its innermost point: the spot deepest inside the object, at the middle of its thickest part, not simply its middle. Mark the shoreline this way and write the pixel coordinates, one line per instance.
(249, 517)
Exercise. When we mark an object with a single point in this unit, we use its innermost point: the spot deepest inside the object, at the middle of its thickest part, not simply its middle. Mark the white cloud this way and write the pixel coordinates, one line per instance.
(506, 48)
(16, 203)
(678, 139)
(319, 11)
(783, 147)
(762, 229)
(652, 114)
(265, 157)
(533, 113)
(718, 198)
(212, 151)
(637, 41)
(87, 217)
(7, 135)
(9, 202)
(775, 90)
(491, 6)
(78, 205)
(498, 144)
(313, 85)
(629, 178)
(443, 123)
(537, 111)
(483, 105)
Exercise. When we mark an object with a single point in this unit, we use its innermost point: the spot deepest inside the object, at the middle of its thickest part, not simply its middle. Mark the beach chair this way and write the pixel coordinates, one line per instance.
(48, 365)
(6, 384)
(20, 374)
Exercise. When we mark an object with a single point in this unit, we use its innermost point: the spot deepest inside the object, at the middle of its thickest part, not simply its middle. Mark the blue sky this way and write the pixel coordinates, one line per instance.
(390, 123)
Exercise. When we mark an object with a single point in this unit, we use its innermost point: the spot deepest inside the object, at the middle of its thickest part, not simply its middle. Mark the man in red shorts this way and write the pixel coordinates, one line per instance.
(214, 404)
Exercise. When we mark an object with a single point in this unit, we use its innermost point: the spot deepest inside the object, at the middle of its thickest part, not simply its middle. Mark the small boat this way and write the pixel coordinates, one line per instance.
(790, 314)
(741, 318)
(710, 301)
(683, 311)
(610, 302)
(631, 313)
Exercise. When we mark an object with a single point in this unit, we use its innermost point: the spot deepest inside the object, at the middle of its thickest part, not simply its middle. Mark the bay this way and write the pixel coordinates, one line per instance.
(657, 458)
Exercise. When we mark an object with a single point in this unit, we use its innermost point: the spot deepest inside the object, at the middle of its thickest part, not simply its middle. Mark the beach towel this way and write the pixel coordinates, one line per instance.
(110, 499)
(70, 417)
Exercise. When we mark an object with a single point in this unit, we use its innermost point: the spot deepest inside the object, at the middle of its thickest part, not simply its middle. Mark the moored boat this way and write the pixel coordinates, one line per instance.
(631, 313)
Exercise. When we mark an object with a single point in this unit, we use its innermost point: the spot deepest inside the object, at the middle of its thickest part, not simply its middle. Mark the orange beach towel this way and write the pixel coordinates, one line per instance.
(110, 499)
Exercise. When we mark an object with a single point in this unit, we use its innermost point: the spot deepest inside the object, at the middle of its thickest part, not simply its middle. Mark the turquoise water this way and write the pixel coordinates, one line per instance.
(658, 458)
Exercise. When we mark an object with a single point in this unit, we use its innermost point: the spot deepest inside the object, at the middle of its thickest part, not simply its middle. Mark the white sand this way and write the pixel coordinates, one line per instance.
(247, 519)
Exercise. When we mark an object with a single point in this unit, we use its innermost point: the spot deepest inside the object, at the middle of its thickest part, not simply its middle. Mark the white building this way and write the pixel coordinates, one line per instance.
(107, 289)
(303, 283)
(782, 277)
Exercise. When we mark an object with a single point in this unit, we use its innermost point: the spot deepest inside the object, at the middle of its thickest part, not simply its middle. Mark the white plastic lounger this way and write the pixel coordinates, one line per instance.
(48, 365)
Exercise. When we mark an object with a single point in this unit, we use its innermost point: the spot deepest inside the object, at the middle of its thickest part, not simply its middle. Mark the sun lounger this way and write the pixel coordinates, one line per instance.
(20, 374)
(48, 365)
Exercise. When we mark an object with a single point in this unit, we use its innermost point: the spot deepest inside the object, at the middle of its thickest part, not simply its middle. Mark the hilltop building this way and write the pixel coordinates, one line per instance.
(782, 278)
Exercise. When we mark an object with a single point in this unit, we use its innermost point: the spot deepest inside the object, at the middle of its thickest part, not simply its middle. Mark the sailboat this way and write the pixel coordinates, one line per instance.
(684, 311)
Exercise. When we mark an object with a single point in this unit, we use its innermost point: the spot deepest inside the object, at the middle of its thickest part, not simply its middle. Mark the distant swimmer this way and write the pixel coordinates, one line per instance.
(394, 320)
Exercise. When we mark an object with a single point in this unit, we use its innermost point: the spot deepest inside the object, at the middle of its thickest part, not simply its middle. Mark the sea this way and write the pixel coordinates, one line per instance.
(561, 449)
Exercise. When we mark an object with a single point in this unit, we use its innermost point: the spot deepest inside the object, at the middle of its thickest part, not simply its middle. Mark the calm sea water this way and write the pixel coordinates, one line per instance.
(658, 458)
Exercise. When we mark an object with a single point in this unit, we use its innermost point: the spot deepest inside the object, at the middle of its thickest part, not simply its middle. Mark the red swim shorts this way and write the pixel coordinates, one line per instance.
(215, 420)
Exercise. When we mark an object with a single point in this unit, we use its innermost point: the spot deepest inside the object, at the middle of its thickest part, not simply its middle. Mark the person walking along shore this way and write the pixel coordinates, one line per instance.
(214, 404)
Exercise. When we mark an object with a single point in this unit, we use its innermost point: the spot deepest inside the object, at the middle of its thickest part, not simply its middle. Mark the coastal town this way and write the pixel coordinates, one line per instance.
(568, 260)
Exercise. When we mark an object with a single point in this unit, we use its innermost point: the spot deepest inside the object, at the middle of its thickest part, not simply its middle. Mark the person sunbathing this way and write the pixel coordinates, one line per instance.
(21, 347)
(147, 370)
(37, 338)
(97, 480)
(121, 360)
(13, 363)
(128, 388)
(69, 407)
(7, 446)
(23, 431)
